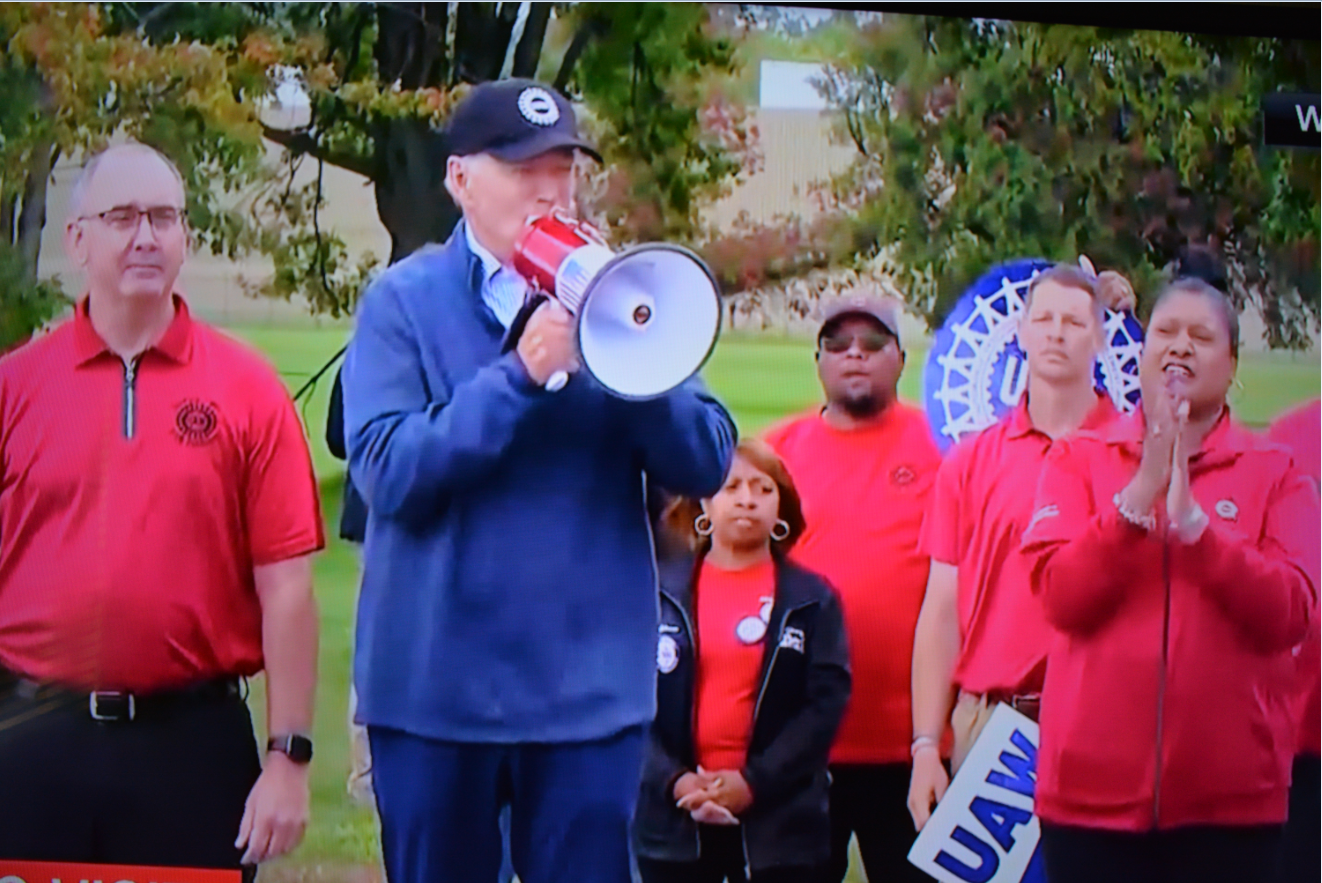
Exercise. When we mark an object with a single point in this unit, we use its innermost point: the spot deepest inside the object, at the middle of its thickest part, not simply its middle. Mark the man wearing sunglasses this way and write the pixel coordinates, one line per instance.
(158, 513)
(864, 465)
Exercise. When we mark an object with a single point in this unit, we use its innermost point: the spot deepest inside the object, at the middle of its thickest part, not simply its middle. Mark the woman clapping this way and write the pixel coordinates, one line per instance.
(1175, 553)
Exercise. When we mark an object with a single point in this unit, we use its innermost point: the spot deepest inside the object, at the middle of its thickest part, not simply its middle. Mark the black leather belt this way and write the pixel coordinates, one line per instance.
(1028, 705)
(120, 705)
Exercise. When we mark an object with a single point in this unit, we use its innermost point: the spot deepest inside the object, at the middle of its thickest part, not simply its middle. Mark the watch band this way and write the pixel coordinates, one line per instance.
(297, 748)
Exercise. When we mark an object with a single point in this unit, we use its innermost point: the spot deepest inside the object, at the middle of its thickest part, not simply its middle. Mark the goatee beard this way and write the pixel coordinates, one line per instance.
(861, 407)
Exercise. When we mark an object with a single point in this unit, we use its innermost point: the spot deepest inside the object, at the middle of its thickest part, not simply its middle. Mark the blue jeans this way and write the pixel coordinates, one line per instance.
(570, 806)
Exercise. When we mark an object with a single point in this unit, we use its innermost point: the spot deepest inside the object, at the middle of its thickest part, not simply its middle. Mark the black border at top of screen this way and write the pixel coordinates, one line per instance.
(1286, 21)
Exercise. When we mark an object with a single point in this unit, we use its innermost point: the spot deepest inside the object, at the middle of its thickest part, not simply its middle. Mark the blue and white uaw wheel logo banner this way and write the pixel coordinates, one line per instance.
(976, 371)
(984, 830)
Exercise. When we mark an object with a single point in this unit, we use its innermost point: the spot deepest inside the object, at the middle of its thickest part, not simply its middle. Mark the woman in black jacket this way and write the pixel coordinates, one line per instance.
(753, 679)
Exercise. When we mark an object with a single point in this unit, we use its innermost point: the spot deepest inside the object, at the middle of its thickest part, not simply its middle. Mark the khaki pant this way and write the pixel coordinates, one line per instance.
(971, 714)
(360, 754)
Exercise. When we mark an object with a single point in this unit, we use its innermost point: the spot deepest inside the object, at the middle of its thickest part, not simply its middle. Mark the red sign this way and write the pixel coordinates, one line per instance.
(68, 872)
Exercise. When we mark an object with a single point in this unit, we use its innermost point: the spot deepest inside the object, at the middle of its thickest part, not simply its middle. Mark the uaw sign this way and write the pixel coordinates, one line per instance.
(976, 372)
(68, 872)
(984, 830)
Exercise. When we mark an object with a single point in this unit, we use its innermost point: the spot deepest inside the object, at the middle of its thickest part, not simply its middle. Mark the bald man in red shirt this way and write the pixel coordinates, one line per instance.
(864, 465)
(158, 511)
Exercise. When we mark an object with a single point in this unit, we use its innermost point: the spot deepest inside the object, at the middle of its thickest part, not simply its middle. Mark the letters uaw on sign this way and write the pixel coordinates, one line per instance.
(984, 830)
(67, 872)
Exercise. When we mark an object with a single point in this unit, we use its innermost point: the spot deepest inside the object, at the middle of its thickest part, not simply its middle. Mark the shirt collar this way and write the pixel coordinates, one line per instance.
(490, 265)
(1021, 424)
(173, 344)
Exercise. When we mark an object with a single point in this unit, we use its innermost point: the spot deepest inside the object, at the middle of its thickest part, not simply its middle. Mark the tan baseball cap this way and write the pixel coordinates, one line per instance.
(885, 310)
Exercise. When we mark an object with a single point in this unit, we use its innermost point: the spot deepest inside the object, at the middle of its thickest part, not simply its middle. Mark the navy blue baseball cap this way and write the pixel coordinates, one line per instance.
(514, 120)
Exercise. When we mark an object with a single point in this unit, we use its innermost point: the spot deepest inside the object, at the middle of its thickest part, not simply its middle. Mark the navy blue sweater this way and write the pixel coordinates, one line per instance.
(510, 589)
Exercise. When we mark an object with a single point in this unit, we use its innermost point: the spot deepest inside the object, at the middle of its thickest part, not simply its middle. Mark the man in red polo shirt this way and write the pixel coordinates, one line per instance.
(158, 511)
(864, 465)
(1300, 430)
(981, 635)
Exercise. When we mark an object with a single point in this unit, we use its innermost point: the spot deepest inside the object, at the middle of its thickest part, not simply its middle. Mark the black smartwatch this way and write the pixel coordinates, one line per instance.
(296, 748)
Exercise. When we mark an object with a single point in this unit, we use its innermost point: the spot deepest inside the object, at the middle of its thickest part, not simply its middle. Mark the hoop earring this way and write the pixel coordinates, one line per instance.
(702, 525)
(780, 530)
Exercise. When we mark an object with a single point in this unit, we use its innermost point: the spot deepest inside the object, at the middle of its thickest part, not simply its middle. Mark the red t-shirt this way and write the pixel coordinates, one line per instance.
(865, 492)
(980, 509)
(1299, 431)
(733, 610)
(132, 513)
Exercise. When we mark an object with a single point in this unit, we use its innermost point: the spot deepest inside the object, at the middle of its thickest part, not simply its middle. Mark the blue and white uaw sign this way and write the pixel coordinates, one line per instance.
(976, 371)
(984, 830)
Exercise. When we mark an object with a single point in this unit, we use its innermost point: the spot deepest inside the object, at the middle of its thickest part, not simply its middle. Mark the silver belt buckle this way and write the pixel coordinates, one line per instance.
(94, 705)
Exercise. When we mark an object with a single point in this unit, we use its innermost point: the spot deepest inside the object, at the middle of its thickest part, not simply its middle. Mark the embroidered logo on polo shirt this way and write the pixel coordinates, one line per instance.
(1051, 510)
(1227, 509)
(195, 422)
(903, 475)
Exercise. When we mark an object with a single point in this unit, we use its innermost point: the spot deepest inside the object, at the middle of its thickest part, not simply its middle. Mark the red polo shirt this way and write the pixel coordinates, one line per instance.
(135, 501)
(1299, 431)
(865, 492)
(980, 509)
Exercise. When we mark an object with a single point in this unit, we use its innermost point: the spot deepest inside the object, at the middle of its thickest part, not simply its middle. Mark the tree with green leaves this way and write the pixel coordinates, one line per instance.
(193, 80)
(982, 141)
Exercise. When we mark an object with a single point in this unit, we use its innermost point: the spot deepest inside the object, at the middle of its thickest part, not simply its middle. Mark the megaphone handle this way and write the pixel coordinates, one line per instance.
(520, 322)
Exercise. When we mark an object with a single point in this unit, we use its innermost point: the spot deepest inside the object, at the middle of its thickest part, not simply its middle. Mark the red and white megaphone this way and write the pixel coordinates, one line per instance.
(648, 317)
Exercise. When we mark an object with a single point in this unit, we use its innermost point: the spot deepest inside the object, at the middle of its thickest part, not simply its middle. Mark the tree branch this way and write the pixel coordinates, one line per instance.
(855, 127)
(301, 142)
(529, 49)
(8, 208)
(586, 31)
(33, 218)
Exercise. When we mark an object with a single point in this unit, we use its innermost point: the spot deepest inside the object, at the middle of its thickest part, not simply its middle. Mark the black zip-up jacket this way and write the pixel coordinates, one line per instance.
(804, 687)
(353, 517)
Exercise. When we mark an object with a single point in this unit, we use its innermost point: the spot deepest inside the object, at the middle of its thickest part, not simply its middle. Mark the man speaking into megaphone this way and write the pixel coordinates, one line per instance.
(507, 623)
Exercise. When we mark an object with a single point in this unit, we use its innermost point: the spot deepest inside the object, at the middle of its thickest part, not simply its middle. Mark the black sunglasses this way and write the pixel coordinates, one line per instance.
(870, 341)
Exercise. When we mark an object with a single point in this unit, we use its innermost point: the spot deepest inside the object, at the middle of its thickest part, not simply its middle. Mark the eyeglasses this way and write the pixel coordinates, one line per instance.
(870, 341)
(125, 218)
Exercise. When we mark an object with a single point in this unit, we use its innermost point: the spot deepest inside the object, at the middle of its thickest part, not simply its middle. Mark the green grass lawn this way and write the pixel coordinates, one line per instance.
(760, 380)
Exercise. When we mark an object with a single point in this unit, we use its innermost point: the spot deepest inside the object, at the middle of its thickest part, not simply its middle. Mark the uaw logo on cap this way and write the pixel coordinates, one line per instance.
(976, 372)
(538, 106)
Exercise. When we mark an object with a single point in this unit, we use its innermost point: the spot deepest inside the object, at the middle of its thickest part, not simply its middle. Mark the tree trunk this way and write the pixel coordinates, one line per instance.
(411, 199)
(8, 208)
(33, 218)
(529, 50)
(409, 157)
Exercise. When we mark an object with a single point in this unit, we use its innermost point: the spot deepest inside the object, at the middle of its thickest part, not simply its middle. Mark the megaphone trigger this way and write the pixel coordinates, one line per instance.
(520, 322)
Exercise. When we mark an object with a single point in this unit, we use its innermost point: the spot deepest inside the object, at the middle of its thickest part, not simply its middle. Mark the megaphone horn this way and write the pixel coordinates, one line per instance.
(648, 317)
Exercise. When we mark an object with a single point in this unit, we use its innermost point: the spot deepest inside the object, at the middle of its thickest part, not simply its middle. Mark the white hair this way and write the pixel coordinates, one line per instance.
(88, 171)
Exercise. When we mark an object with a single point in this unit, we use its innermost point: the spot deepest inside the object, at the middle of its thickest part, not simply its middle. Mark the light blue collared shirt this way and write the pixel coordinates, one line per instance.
(503, 289)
